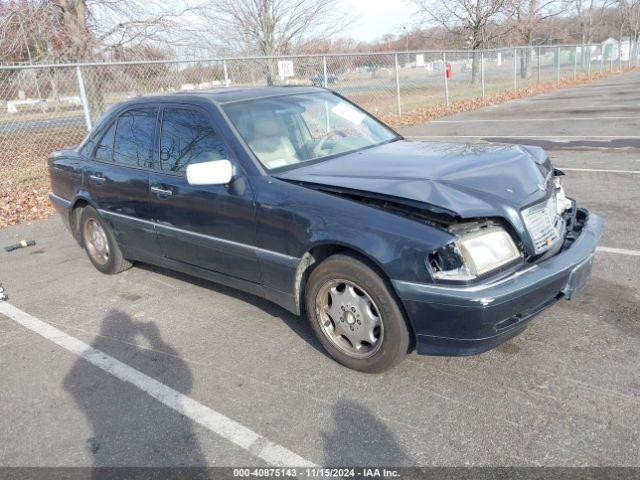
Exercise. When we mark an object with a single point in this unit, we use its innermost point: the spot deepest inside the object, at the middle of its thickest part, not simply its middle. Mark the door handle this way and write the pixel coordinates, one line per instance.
(97, 179)
(161, 192)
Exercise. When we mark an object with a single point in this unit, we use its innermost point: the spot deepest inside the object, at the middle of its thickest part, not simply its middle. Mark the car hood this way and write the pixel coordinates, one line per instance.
(461, 180)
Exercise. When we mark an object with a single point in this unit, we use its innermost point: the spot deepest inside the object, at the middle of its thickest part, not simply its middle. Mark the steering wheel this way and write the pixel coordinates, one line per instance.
(331, 134)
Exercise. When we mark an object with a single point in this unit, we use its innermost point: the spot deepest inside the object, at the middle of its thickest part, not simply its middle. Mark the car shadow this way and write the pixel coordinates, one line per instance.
(298, 325)
(358, 438)
(128, 427)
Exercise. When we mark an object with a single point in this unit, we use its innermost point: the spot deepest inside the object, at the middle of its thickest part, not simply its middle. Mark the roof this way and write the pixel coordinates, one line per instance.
(217, 95)
(227, 95)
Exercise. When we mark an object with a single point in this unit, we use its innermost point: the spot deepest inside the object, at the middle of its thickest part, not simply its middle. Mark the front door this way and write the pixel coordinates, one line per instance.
(212, 226)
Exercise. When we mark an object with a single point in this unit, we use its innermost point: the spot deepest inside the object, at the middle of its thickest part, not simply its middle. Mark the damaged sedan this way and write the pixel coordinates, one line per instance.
(298, 196)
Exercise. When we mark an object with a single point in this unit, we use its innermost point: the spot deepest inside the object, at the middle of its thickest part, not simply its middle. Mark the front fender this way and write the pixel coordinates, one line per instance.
(292, 220)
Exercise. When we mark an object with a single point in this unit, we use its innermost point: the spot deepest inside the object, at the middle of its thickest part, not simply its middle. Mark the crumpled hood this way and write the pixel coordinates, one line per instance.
(466, 180)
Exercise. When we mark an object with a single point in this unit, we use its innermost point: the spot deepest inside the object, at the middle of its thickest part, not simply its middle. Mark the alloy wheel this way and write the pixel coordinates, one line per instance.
(349, 318)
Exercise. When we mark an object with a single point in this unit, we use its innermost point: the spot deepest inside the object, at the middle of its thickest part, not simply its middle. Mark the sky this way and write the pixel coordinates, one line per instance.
(374, 18)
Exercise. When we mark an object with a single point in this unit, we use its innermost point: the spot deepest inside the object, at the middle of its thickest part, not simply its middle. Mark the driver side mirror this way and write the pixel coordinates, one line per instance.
(218, 172)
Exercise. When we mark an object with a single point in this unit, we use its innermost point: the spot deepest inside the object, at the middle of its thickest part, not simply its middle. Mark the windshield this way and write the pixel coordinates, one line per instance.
(289, 130)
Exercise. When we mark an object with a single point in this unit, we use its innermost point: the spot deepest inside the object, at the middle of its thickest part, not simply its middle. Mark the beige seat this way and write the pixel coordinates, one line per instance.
(269, 140)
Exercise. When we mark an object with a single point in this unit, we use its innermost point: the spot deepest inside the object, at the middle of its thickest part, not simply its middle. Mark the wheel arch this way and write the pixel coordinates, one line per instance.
(79, 203)
(322, 250)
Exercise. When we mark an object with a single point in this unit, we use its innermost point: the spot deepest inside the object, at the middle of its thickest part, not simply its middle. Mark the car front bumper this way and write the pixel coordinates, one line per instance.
(449, 320)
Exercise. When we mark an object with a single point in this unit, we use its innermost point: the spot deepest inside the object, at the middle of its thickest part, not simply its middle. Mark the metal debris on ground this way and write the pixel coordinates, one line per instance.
(20, 244)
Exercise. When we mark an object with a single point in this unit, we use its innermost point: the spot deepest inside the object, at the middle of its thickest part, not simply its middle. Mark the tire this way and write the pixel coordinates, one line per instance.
(100, 243)
(369, 304)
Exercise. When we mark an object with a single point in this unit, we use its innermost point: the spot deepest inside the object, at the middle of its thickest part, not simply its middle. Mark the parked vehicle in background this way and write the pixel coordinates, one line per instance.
(318, 80)
(296, 195)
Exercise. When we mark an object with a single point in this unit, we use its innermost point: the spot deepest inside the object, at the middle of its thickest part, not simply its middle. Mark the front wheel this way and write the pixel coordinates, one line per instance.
(355, 315)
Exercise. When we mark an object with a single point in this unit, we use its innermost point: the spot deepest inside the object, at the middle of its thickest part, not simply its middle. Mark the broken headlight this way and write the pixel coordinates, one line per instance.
(473, 254)
(562, 202)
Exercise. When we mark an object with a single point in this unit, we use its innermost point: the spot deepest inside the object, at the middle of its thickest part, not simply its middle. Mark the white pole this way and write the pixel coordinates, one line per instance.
(83, 99)
(398, 85)
(619, 55)
(558, 66)
(226, 74)
(446, 80)
(538, 81)
(482, 71)
(515, 69)
(324, 71)
(575, 63)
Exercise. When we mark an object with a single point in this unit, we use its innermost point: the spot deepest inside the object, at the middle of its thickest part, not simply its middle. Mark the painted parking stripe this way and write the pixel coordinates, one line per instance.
(493, 135)
(620, 251)
(597, 170)
(216, 422)
(521, 120)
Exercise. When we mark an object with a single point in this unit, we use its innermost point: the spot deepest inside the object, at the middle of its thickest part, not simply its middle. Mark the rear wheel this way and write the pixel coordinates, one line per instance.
(100, 243)
(355, 315)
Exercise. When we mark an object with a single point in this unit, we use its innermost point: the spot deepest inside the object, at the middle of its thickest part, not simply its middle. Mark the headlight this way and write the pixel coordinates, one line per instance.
(562, 202)
(474, 254)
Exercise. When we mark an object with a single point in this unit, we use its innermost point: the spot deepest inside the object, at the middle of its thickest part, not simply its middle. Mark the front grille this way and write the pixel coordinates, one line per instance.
(544, 224)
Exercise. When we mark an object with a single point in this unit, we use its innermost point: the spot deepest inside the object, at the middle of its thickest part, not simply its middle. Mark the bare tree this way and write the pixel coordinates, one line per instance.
(29, 30)
(627, 18)
(86, 30)
(526, 18)
(272, 27)
(467, 17)
(585, 12)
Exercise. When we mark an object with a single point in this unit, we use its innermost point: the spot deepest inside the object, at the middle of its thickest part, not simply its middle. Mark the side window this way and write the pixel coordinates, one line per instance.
(188, 138)
(133, 144)
(105, 146)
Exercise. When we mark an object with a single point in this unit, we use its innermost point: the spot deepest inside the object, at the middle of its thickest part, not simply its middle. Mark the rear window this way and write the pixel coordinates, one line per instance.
(105, 146)
(133, 144)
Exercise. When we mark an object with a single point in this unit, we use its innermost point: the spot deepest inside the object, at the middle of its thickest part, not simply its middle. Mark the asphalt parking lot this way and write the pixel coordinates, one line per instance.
(207, 375)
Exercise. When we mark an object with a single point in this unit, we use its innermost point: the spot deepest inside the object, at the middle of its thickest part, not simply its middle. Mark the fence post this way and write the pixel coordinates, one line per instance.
(226, 74)
(558, 65)
(619, 55)
(83, 99)
(601, 57)
(589, 65)
(575, 63)
(446, 80)
(538, 80)
(482, 71)
(515, 69)
(398, 85)
(324, 71)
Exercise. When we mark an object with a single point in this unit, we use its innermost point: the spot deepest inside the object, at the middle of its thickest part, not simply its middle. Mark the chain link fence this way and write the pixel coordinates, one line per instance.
(47, 107)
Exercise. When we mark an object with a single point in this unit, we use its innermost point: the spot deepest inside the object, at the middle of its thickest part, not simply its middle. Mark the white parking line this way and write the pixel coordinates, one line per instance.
(597, 170)
(620, 251)
(586, 137)
(216, 422)
(521, 120)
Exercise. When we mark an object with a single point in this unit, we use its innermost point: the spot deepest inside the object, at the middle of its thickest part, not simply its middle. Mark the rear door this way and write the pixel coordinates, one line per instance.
(210, 226)
(117, 179)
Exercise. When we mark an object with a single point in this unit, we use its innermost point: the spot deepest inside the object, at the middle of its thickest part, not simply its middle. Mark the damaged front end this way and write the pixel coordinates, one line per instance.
(430, 214)
(484, 249)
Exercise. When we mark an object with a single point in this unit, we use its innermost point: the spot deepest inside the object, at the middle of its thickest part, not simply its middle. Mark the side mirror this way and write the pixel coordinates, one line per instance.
(218, 172)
